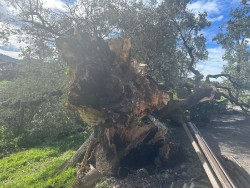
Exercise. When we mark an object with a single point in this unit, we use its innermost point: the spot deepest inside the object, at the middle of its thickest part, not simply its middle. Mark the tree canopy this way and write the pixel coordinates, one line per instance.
(234, 38)
(163, 33)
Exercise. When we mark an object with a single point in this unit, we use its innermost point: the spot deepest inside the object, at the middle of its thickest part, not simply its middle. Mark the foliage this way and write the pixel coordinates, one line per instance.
(104, 183)
(32, 107)
(36, 79)
(3, 84)
(234, 38)
(204, 111)
(43, 25)
(245, 97)
(38, 167)
(160, 31)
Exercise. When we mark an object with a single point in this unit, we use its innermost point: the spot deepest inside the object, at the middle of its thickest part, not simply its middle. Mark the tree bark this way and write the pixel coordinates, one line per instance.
(111, 94)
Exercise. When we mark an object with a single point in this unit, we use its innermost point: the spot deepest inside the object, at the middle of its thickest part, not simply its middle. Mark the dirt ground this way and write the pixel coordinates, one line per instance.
(229, 135)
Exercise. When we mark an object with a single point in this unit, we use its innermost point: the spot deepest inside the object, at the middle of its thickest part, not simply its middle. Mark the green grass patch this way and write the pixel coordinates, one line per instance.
(38, 167)
(4, 84)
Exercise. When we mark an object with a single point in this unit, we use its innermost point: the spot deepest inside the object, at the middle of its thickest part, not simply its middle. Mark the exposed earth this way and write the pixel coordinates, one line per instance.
(187, 173)
(227, 135)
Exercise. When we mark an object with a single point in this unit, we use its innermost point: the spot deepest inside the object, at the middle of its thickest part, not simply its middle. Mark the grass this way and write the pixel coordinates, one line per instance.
(4, 84)
(38, 167)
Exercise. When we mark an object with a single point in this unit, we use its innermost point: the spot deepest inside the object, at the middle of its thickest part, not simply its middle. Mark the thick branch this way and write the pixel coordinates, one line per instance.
(230, 78)
(176, 108)
(230, 95)
(198, 75)
(43, 25)
(233, 99)
(91, 142)
(38, 25)
(78, 156)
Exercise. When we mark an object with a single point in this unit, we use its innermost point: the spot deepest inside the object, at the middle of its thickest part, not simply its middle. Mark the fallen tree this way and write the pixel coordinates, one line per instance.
(109, 90)
(111, 93)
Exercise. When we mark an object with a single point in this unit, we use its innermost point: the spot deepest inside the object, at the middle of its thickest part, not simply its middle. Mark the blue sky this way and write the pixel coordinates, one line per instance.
(218, 13)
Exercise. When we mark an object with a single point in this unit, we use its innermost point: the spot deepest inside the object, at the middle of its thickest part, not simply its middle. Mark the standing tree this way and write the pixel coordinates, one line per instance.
(40, 26)
(235, 40)
(166, 36)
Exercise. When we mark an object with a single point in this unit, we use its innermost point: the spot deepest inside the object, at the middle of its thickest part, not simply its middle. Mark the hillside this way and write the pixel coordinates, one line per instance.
(6, 58)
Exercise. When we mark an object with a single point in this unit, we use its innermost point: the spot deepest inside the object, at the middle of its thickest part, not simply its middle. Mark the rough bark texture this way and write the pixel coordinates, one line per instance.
(175, 109)
(111, 93)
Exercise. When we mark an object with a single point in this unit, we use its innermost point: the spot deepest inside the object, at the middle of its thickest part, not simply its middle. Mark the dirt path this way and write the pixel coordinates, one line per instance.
(229, 135)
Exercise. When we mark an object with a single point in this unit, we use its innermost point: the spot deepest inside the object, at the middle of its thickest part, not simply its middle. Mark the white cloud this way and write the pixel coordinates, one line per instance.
(216, 19)
(54, 4)
(4, 10)
(209, 6)
(7, 11)
(11, 54)
(214, 64)
(9, 47)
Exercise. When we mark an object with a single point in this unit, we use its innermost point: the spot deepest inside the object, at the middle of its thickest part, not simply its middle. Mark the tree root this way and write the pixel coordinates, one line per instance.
(90, 179)
(80, 153)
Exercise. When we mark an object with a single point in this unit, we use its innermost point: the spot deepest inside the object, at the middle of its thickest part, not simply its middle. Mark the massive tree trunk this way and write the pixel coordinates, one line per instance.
(111, 93)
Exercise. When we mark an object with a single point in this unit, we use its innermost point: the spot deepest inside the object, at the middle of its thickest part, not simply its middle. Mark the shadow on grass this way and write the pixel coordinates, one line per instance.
(72, 142)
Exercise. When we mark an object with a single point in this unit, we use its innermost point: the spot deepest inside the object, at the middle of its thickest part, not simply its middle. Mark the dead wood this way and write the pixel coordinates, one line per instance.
(90, 143)
(230, 78)
(190, 51)
(111, 92)
(227, 92)
(90, 179)
(104, 83)
(176, 108)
